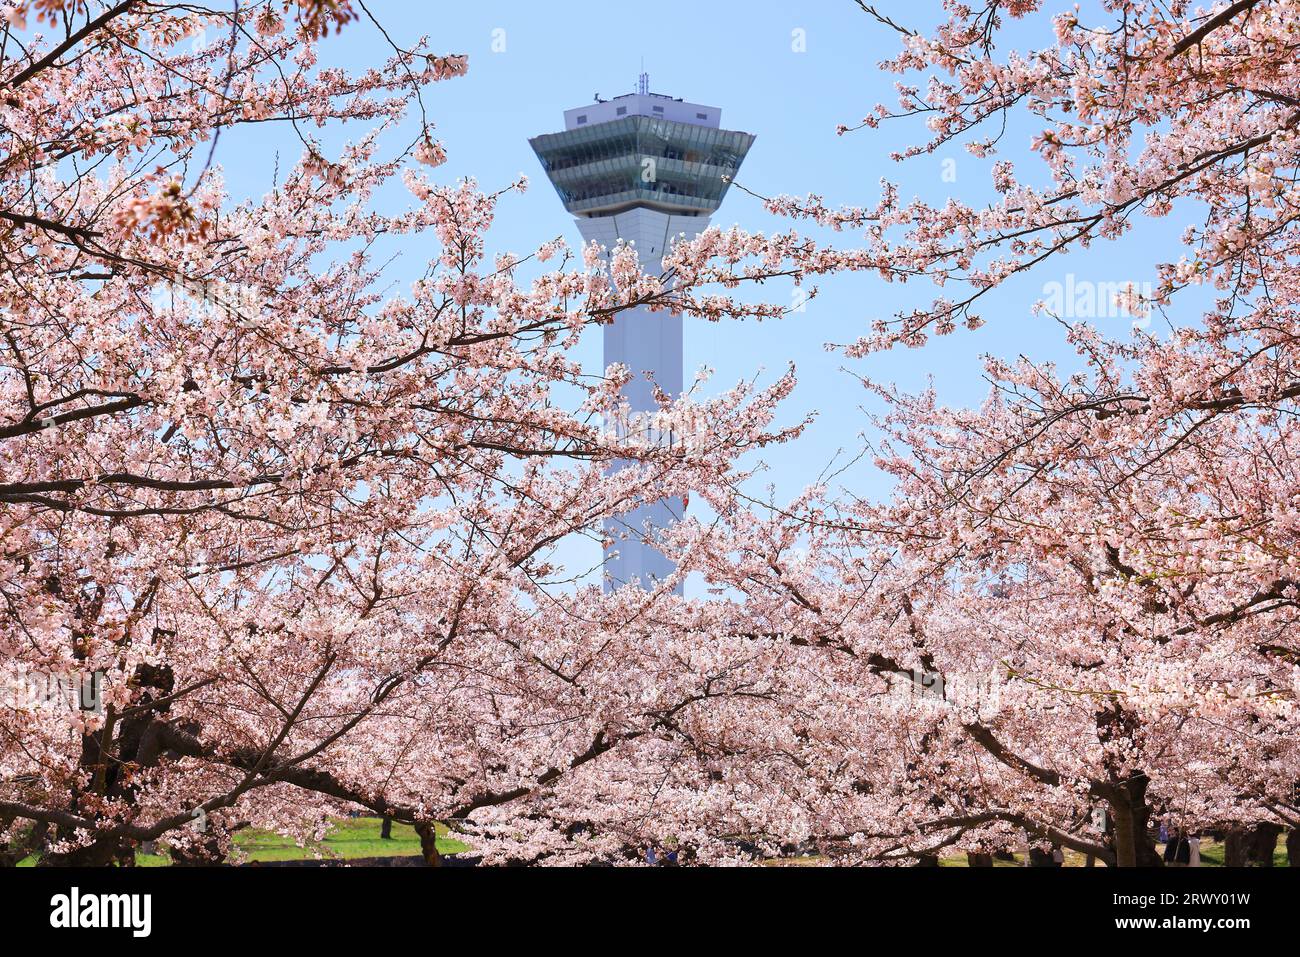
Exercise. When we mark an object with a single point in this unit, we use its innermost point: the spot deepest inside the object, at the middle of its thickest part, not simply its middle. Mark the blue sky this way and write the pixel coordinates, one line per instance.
(528, 62)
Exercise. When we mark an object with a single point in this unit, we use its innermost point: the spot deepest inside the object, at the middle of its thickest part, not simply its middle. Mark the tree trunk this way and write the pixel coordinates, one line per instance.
(101, 853)
(209, 847)
(1293, 847)
(1040, 858)
(207, 852)
(1126, 792)
(979, 860)
(1235, 848)
(386, 829)
(1264, 843)
(1125, 841)
(429, 843)
(1130, 815)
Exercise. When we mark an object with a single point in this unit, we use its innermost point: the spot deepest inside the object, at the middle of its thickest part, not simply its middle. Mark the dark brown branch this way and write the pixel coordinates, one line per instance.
(73, 39)
(1208, 27)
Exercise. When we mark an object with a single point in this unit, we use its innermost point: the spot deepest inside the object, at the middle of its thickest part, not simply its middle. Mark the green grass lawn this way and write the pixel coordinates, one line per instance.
(349, 838)
(358, 837)
(1212, 853)
(959, 860)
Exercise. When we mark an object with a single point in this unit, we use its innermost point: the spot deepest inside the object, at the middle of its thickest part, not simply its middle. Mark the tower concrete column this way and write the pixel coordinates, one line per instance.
(646, 169)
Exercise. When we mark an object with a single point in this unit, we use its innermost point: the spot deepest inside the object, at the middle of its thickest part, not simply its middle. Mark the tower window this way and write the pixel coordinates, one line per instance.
(582, 119)
(621, 110)
(701, 116)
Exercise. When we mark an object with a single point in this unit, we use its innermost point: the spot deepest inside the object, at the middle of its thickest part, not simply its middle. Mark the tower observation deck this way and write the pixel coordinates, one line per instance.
(650, 170)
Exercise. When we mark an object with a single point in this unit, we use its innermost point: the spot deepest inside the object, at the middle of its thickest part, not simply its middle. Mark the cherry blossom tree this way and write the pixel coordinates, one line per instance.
(297, 529)
(1113, 550)
(300, 529)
